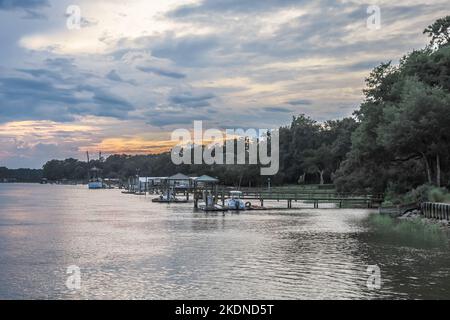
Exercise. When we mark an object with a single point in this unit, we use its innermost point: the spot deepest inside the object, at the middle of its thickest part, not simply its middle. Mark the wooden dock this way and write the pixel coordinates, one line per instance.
(342, 200)
(288, 196)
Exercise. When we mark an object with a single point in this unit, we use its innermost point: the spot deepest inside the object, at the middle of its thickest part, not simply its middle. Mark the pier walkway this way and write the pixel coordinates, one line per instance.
(315, 198)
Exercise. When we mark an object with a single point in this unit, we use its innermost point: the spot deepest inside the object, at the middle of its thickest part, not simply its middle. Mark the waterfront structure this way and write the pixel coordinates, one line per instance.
(95, 182)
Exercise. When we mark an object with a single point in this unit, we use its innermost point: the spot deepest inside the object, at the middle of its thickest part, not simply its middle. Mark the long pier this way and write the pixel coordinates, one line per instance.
(289, 196)
(316, 198)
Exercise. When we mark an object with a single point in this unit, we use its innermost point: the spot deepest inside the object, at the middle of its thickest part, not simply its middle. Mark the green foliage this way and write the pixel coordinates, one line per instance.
(311, 152)
(403, 137)
(417, 195)
(423, 193)
(411, 232)
(439, 32)
(69, 169)
(440, 195)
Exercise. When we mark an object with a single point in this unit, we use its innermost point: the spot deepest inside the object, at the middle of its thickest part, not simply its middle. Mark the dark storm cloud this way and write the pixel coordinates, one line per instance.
(114, 76)
(191, 51)
(277, 109)
(61, 63)
(190, 100)
(232, 6)
(321, 31)
(48, 95)
(162, 72)
(29, 7)
(307, 35)
(42, 73)
(300, 102)
(170, 119)
(22, 4)
(34, 15)
(41, 99)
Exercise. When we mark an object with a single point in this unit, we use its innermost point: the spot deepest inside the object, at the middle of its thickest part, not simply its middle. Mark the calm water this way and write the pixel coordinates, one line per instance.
(128, 247)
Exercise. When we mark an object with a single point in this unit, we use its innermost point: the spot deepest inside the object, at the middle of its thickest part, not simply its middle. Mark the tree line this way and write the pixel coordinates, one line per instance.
(324, 147)
(20, 175)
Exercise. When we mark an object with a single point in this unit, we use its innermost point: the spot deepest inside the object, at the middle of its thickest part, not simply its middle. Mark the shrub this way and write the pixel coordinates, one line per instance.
(438, 195)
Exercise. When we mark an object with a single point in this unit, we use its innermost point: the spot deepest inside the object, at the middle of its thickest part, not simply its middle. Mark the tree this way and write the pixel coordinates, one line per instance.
(439, 32)
(418, 127)
(319, 161)
(403, 122)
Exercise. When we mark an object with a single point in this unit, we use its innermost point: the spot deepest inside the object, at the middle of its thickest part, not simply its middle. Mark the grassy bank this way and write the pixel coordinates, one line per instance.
(415, 232)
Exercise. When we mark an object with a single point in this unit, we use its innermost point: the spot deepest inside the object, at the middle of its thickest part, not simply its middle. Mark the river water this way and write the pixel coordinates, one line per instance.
(127, 247)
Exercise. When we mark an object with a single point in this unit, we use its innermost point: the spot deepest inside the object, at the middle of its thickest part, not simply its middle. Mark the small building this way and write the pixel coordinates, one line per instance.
(205, 188)
(180, 181)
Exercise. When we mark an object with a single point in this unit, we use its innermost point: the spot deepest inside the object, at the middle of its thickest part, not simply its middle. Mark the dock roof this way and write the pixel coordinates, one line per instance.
(206, 178)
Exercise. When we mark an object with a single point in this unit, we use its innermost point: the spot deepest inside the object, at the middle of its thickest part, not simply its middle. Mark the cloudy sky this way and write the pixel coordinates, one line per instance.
(135, 70)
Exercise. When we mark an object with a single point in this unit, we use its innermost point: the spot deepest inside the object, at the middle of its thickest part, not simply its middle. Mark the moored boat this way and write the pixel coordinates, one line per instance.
(95, 184)
(235, 202)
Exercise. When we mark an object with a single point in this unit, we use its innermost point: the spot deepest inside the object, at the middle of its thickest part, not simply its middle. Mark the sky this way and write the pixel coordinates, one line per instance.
(130, 72)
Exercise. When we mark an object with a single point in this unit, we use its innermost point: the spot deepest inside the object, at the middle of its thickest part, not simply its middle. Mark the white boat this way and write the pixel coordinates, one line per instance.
(95, 182)
(98, 184)
(235, 202)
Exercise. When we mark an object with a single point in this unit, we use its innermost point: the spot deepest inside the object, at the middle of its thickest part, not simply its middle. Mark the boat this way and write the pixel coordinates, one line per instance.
(235, 202)
(168, 197)
(209, 205)
(95, 182)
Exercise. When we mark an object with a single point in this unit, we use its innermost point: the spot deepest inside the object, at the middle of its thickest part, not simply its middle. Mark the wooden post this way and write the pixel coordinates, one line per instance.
(195, 201)
(216, 194)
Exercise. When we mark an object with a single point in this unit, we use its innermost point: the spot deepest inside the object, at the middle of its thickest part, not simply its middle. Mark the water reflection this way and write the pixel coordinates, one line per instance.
(128, 247)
